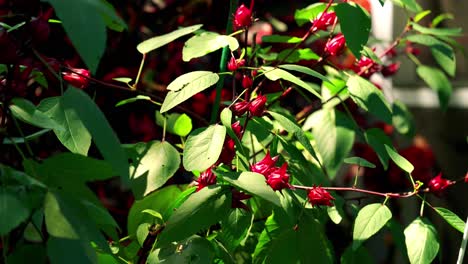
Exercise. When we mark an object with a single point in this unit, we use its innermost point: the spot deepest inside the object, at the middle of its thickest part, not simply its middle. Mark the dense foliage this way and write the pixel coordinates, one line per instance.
(271, 147)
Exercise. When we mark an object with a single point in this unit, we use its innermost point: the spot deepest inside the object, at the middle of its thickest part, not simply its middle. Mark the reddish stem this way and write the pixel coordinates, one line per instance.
(353, 189)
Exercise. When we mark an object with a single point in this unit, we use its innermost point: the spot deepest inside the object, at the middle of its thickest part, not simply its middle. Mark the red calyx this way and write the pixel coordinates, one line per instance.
(234, 64)
(323, 21)
(390, 69)
(278, 178)
(240, 108)
(79, 78)
(237, 128)
(247, 82)
(438, 184)
(265, 165)
(257, 106)
(206, 178)
(336, 45)
(242, 17)
(319, 196)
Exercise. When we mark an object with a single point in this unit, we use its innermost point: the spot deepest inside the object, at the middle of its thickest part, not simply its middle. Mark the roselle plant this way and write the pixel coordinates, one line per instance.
(267, 173)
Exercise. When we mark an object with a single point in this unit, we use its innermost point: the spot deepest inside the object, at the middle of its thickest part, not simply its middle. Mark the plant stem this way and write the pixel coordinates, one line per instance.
(139, 72)
(222, 65)
(352, 189)
(461, 253)
(26, 143)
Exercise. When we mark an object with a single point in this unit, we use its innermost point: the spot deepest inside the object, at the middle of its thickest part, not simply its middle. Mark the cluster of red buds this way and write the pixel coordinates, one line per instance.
(79, 78)
(335, 45)
(206, 178)
(234, 64)
(323, 21)
(437, 185)
(242, 17)
(255, 107)
(276, 177)
(228, 152)
(319, 196)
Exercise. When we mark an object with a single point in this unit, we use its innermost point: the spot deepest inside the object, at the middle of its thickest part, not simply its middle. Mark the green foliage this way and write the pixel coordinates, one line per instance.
(275, 74)
(205, 43)
(27, 112)
(451, 218)
(360, 162)
(369, 221)
(436, 80)
(305, 15)
(203, 147)
(177, 124)
(355, 24)
(159, 41)
(421, 241)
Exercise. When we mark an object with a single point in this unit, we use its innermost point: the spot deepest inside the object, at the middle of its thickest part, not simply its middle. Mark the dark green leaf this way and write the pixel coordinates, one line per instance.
(377, 139)
(187, 85)
(251, 182)
(159, 41)
(356, 256)
(370, 219)
(21, 140)
(411, 5)
(436, 80)
(305, 15)
(235, 228)
(451, 218)
(355, 24)
(369, 98)
(201, 210)
(70, 251)
(75, 137)
(438, 19)
(134, 99)
(27, 112)
(275, 74)
(305, 70)
(402, 119)
(442, 32)
(280, 39)
(178, 124)
(205, 43)
(421, 241)
(398, 236)
(203, 147)
(13, 211)
(295, 55)
(399, 160)
(103, 136)
(360, 162)
(195, 250)
(26, 253)
(112, 20)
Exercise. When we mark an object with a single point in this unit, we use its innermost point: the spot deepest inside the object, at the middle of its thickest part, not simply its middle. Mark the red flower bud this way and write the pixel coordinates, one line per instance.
(240, 108)
(278, 178)
(466, 177)
(438, 184)
(242, 17)
(206, 178)
(40, 30)
(323, 21)
(336, 45)
(367, 66)
(257, 106)
(247, 82)
(319, 196)
(237, 129)
(234, 64)
(411, 49)
(228, 152)
(237, 197)
(390, 69)
(79, 78)
(265, 165)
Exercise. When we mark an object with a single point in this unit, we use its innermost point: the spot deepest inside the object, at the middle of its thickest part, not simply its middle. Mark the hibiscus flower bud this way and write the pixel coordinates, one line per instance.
(411, 49)
(237, 128)
(278, 178)
(336, 45)
(242, 17)
(390, 69)
(234, 64)
(240, 108)
(237, 197)
(79, 78)
(367, 66)
(438, 184)
(206, 178)
(319, 196)
(265, 165)
(247, 82)
(257, 106)
(323, 21)
(228, 152)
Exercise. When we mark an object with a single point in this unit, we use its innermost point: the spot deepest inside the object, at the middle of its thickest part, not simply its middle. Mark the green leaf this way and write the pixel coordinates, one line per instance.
(252, 183)
(203, 147)
(356, 256)
(438, 32)
(436, 80)
(355, 24)
(154, 214)
(126, 80)
(360, 162)
(235, 228)
(438, 19)
(369, 98)
(451, 218)
(13, 211)
(75, 137)
(396, 229)
(134, 99)
(159, 41)
(112, 20)
(402, 119)
(280, 39)
(187, 85)
(103, 136)
(21, 140)
(305, 15)
(419, 16)
(421, 241)
(178, 124)
(158, 201)
(201, 210)
(27, 112)
(377, 139)
(27, 252)
(292, 127)
(142, 233)
(72, 251)
(295, 55)
(370, 219)
(399, 160)
(411, 5)
(305, 70)
(205, 43)
(153, 164)
(82, 19)
(195, 250)
(269, 234)
(442, 52)
(334, 136)
(275, 74)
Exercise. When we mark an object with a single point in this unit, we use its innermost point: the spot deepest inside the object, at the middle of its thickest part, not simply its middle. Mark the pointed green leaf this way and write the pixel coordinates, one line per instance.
(370, 219)
(377, 139)
(438, 82)
(27, 112)
(75, 137)
(71, 251)
(187, 85)
(360, 162)
(402, 119)
(280, 39)
(96, 123)
(235, 228)
(305, 15)
(421, 241)
(134, 99)
(295, 55)
(201, 210)
(355, 24)
(305, 70)
(451, 218)
(275, 74)
(13, 211)
(203, 147)
(399, 160)
(205, 43)
(178, 124)
(159, 41)
(358, 256)
(369, 98)
(411, 5)
(439, 32)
